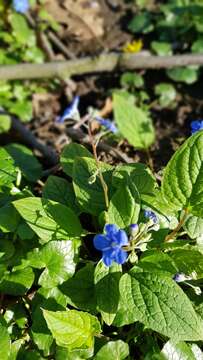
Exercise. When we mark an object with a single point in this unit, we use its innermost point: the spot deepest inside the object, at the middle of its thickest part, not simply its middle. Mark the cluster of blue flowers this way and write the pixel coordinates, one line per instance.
(113, 240)
(196, 125)
(21, 6)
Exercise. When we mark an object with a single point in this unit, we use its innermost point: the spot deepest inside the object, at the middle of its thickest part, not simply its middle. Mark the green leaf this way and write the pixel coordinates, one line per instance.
(70, 153)
(76, 354)
(23, 109)
(188, 261)
(9, 218)
(134, 80)
(57, 257)
(80, 289)
(7, 168)
(15, 348)
(134, 124)
(49, 299)
(34, 54)
(72, 329)
(26, 354)
(107, 290)
(158, 261)
(187, 75)
(16, 312)
(23, 34)
(166, 93)
(138, 174)
(161, 48)
(17, 282)
(5, 123)
(193, 226)
(90, 195)
(5, 343)
(182, 184)
(6, 249)
(141, 23)
(157, 202)
(25, 161)
(161, 305)
(124, 206)
(60, 190)
(49, 220)
(181, 351)
(113, 350)
(197, 46)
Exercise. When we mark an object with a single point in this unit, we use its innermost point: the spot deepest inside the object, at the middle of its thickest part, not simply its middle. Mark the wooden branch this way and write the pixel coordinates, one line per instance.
(102, 63)
(75, 134)
(30, 140)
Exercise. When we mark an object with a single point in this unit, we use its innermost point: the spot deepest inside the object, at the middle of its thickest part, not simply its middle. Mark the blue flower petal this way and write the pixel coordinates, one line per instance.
(21, 6)
(111, 229)
(70, 111)
(108, 124)
(108, 256)
(196, 125)
(121, 256)
(107, 260)
(122, 238)
(101, 242)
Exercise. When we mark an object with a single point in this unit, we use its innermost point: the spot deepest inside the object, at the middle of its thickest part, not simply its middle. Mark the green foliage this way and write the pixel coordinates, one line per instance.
(182, 182)
(113, 350)
(134, 124)
(5, 123)
(124, 206)
(187, 75)
(72, 329)
(172, 27)
(5, 343)
(48, 219)
(107, 290)
(87, 185)
(181, 350)
(161, 48)
(69, 305)
(58, 298)
(152, 297)
(166, 93)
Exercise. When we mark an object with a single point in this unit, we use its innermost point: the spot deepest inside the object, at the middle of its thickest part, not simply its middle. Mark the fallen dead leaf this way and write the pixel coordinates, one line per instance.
(82, 17)
(45, 105)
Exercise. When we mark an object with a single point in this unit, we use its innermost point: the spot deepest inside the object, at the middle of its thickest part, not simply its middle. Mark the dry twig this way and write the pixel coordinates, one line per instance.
(102, 63)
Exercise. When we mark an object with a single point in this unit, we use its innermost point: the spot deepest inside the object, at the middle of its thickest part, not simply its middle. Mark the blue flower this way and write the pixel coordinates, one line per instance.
(196, 126)
(21, 6)
(111, 244)
(108, 124)
(71, 111)
(151, 215)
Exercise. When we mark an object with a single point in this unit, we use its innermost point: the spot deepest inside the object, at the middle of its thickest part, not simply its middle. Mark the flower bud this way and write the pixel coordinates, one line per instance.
(134, 229)
(180, 277)
(151, 216)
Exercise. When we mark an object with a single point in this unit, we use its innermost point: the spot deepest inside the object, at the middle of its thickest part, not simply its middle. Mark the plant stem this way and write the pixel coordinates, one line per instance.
(103, 183)
(150, 160)
(178, 227)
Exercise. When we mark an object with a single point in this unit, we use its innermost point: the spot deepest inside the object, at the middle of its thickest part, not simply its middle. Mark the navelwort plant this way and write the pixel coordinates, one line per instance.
(106, 263)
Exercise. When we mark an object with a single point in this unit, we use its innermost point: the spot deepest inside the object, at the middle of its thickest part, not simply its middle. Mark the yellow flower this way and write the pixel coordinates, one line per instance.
(133, 47)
